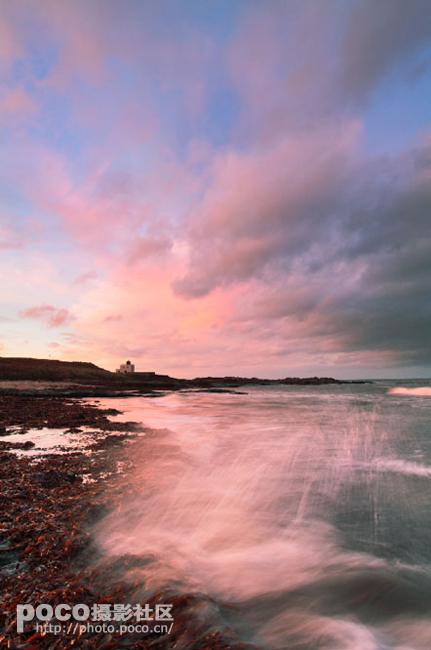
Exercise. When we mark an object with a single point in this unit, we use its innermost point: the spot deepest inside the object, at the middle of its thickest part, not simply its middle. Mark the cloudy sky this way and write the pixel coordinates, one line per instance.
(217, 186)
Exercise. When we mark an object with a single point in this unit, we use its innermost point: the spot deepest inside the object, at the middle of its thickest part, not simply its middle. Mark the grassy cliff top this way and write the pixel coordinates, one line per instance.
(21, 368)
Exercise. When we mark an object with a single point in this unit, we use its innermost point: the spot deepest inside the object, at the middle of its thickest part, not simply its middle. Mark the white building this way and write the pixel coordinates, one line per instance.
(126, 367)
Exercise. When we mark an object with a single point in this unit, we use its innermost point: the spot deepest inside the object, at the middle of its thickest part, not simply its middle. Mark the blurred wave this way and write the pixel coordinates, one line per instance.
(298, 519)
(420, 391)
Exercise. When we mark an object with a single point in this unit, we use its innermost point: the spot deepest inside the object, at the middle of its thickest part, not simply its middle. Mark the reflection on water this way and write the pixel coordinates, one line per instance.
(304, 513)
(52, 441)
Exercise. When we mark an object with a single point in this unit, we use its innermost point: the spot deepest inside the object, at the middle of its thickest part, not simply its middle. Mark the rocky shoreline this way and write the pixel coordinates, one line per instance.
(49, 505)
(45, 377)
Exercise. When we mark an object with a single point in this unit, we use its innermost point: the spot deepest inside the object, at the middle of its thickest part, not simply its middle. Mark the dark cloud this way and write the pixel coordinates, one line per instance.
(268, 208)
(390, 316)
(335, 246)
(347, 262)
(378, 35)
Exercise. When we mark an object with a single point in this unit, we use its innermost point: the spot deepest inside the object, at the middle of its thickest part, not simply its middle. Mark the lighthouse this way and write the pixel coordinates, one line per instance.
(126, 368)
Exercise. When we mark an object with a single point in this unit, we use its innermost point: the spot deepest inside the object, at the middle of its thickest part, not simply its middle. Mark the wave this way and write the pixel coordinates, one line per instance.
(251, 516)
(403, 467)
(421, 391)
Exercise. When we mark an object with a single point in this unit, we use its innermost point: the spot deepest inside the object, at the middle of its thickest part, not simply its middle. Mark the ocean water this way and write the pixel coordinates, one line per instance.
(300, 516)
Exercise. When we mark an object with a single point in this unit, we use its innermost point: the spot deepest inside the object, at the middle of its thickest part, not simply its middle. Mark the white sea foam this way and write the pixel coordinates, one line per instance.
(420, 391)
(402, 467)
(245, 499)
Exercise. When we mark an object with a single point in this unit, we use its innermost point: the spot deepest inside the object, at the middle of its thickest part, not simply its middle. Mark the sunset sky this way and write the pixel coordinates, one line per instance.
(217, 186)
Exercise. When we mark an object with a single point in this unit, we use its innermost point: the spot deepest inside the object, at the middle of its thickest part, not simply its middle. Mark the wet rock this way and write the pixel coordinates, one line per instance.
(46, 511)
(72, 477)
(50, 478)
(4, 444)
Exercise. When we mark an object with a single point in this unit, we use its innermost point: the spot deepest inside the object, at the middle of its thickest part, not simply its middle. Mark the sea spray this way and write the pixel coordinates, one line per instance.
(418, 391)
(286, 509)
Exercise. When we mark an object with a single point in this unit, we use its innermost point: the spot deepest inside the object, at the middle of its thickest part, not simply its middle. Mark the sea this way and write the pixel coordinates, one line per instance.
(299, 517)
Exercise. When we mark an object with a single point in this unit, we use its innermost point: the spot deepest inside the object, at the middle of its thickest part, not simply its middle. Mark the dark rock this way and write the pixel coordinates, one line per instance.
(72, 477)
(50, 478)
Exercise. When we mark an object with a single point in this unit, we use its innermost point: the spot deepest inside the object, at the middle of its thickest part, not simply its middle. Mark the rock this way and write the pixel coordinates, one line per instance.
(50, 478)
(72, 477)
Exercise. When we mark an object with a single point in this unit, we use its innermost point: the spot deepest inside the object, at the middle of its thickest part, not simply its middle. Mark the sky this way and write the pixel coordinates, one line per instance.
(217, 187)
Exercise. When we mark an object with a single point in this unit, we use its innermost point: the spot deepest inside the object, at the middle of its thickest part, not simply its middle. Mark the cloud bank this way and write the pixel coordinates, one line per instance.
(242, 187)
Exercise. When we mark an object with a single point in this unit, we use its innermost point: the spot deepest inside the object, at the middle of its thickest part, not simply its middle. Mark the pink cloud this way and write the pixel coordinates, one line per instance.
(10, 238)
(130, 212)
(10, 47)
(85, 277)
(144, 247)
(260, 206)
(16, 102)
(52, 316)
(238, 229)
(112, 317)
(90, 39)
(81, 36)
